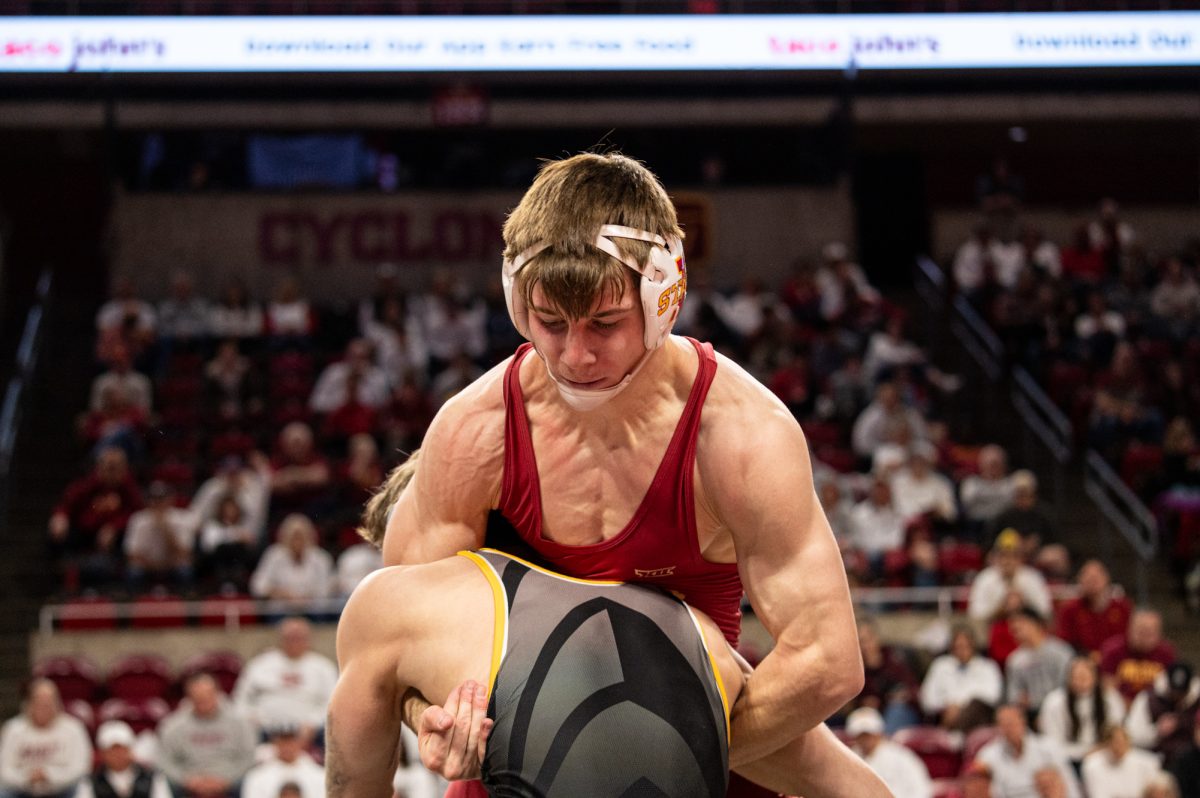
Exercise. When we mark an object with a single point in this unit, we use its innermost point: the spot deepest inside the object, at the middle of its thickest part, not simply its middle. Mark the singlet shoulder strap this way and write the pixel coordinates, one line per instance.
(520, 489)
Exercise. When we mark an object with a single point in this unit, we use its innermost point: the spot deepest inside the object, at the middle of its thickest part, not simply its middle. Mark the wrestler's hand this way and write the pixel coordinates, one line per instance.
(453, 739)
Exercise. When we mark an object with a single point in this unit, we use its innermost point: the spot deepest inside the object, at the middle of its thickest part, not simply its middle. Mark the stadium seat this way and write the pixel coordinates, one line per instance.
(76, 677)
(959, 561)
(938, 749)
(141, 715)
(224, 666)
(140, 676)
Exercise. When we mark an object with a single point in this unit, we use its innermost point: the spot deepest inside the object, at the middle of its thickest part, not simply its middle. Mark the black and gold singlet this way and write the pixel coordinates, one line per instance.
(599, 690)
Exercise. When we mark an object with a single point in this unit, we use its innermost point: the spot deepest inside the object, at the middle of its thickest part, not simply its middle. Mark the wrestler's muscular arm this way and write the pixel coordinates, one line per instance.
(756, 478)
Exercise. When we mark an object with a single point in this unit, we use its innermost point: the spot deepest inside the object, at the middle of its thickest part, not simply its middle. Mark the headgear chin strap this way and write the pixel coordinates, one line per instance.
(662, 287)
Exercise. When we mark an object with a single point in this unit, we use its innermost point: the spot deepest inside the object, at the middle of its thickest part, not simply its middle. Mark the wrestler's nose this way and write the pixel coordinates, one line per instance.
(578, 351)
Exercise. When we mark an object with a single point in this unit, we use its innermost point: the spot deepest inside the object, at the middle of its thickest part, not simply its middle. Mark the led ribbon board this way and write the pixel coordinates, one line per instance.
(601, 43)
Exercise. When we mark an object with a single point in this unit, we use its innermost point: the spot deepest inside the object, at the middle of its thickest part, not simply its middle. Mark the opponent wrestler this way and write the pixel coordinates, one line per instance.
(630, 482)
(597, 688)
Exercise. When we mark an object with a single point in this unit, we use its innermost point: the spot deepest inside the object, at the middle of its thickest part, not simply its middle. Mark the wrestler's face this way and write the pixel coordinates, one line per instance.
(593, 352)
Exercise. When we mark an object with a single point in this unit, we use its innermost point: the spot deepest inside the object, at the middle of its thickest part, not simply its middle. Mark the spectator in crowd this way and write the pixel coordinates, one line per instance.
(227, 544)
(1111, 235)
(1100, 611)
(87, 524)
(159, 541)
(886, 420)
(116, 422)
(234, 314)
(1175, 301)
(1082, 262)
(398, 340)
(1118, 769)
(846, 294)
(133, 385)
(1017, 755)
(877, 527)
(962, 688)
(847, 393)
(1120, 408)
(984, 263)
(1098, 329)
(232, 388)
(300, 476)
(118, 775)
(205, 746)
(743, 311)
(1041, 254)
(990, 492)
(459, 372)
(182, 316)
(248, 482)
(44, 751)
(1025, 514)
(294, 569)
(387, 289)
(1163, 717)
(355, 564)
(290, 320)
(1040, 663)
(288, 685)
(452, 322)
(126, 320)
(1007, 574)
(890, 685)
(1134, 659)
(901, 770)
(1186, 768)
(333, 388)
(793, 383)
(920, 491)
(289, 764)
(1075, 715)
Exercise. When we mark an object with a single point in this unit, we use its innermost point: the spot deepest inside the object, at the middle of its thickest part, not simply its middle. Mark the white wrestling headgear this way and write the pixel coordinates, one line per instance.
(662, 288)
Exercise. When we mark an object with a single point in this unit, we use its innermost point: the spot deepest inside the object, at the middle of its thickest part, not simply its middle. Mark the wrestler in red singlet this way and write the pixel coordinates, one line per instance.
(658, 546)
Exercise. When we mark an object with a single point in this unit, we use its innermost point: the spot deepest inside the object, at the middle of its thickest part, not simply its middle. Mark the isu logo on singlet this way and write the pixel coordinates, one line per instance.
(652, 572)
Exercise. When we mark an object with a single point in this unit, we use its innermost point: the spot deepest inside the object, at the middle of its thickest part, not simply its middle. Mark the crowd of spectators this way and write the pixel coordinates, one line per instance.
(1110, 329)
(266, 740)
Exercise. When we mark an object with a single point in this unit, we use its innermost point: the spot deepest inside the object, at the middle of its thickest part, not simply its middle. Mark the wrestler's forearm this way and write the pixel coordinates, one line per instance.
(815, 765)
(412, 705)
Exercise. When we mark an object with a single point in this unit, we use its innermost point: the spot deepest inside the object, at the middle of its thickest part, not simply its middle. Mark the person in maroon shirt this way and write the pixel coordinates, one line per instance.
(1100, 612)
(300, 476)
(86, 526)
(1133, 659)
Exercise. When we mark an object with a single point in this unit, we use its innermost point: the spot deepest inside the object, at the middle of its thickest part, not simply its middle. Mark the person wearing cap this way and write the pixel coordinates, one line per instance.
(1007, 574)
(1134, 659)
(618, 451)
(159, 541)
(289, 764)
(1099, 612)
(1117, 769)
(901, 770)
(1017, 755)
(44, 751)
(1163, 718)
(118, 775)
(1040, 663)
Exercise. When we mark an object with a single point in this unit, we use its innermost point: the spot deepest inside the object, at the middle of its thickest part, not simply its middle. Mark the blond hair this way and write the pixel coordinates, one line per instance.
(379, 506)
(565, 207)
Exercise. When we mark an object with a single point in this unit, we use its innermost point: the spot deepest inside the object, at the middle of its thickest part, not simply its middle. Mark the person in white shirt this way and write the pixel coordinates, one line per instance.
(1077, 714)
(289, 685)
(1017, 756)
(354, 564)
(842, 283)
(918, 489)
(878, 527)
(1007, 574)
(901, 770)
(333, 386)
(43, 751)
(132, 385)
(1118, 770)
(118, 773)
(295, 568)
(886, 420)
(962, 688)
(990, 492)
(126, 308)
(983, 260)
(159, 540)
(290, 764)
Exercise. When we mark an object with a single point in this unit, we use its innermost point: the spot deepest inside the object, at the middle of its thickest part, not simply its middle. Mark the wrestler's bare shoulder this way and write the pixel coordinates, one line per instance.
(740, 411)
(472, 421)
(419, 590)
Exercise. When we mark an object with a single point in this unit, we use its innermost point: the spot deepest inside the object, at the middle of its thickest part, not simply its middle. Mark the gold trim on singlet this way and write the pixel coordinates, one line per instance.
(716, 671)
(565, 578)
(500, 607)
